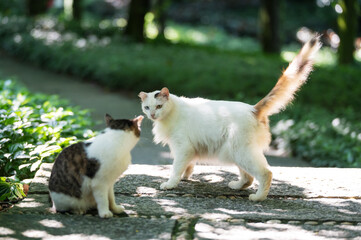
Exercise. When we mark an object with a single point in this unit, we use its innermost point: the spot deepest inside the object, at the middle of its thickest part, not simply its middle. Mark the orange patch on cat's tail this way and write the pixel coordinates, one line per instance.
(291, 80)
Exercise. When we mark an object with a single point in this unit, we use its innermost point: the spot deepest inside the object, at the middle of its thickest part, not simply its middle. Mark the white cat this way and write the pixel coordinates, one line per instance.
(84, 173)
(232, 132)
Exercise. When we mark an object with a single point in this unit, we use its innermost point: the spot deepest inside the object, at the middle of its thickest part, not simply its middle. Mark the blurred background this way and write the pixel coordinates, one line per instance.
(219, 49)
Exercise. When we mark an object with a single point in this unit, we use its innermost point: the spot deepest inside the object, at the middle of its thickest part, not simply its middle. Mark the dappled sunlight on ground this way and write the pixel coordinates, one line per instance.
(171, 206)
(5, 231)
(45, 235)
(212, 178)
(29, 203)
(146, 190)
(51, 223)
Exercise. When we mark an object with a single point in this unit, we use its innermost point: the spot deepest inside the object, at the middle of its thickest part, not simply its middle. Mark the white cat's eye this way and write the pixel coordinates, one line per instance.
(146, 108)
(159, 106)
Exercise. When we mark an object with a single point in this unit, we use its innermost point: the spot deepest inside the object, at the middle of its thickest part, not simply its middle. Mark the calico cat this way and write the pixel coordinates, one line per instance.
(232, 132)
(84, 173)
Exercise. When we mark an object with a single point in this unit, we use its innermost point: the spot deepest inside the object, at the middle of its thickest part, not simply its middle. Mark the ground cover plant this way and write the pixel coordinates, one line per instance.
(34, 127)
(321, 127)
(319, 136)
(10, 190)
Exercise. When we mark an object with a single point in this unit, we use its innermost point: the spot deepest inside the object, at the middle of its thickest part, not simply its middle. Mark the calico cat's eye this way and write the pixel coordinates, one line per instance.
(146, 108)
(159, 106)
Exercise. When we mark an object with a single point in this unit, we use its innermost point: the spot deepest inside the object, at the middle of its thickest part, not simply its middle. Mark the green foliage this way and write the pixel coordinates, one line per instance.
(210, 37)
(10, 190)
(211, 72)
(12, 7)
(34, 128)
(193, 71)
(324, 139)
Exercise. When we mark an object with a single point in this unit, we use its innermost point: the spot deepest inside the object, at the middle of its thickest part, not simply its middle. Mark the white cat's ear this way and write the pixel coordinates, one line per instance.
(142, 96)
(108, 119)
(164, 92)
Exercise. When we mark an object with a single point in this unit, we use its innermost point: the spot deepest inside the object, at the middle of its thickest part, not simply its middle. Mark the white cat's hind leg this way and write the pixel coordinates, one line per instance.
(256, 164)
(245, 180)
(188, 172)
(264, 178)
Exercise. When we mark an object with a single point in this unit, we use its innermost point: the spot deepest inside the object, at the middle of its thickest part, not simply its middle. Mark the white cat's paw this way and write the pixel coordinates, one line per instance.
(106, 214)
(118, 209)
(167, 185)
(255, 198)
(236, 185)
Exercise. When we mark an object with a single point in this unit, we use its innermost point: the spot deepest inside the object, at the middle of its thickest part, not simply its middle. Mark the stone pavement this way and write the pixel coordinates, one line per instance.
(100, 101)
(304, 203)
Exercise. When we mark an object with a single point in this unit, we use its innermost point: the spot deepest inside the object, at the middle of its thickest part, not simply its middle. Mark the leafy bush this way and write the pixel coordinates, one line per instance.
(10, 190)
(12, 7)
(35, 127)
(324, 139)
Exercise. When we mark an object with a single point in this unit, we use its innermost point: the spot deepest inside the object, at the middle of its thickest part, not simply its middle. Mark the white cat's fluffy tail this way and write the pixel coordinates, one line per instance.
(291, 80)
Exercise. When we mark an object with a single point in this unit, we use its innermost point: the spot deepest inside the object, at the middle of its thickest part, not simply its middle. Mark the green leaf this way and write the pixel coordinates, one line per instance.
(25, 139)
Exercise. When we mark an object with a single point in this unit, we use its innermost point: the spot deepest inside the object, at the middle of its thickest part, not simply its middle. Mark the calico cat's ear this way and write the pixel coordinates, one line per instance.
(138, 120)
(164, 92)
(142, 96)
(108, 119)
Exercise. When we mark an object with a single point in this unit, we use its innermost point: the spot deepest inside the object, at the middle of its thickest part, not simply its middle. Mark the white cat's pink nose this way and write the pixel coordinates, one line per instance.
(152, 115)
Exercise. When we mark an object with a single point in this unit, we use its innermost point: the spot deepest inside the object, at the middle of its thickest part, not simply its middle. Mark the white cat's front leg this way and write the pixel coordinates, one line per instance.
(112, 205)
(180, 163)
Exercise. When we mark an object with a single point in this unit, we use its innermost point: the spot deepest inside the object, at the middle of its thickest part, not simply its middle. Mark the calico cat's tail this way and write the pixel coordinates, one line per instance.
(291, 80)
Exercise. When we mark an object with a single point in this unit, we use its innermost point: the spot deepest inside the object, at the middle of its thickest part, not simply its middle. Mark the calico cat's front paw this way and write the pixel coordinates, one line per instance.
(118, 209)
(168, 185)
(106, 214)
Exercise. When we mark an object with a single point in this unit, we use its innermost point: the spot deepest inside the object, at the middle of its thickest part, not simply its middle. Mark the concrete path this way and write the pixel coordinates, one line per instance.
(100, 101)
(304, 203)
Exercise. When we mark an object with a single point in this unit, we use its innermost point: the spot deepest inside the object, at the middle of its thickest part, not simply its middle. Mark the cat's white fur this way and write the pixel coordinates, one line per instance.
(112, 149)
(231, 132)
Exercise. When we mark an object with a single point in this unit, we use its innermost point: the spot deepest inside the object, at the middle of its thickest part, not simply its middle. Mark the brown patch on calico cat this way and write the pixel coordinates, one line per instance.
(70, 167)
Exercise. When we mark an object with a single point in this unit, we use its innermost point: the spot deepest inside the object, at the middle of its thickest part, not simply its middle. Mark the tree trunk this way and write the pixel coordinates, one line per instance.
(35, 7)
(160, 15)
(136, 13)
(347, 29)
(77, 10)
(269, 19)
